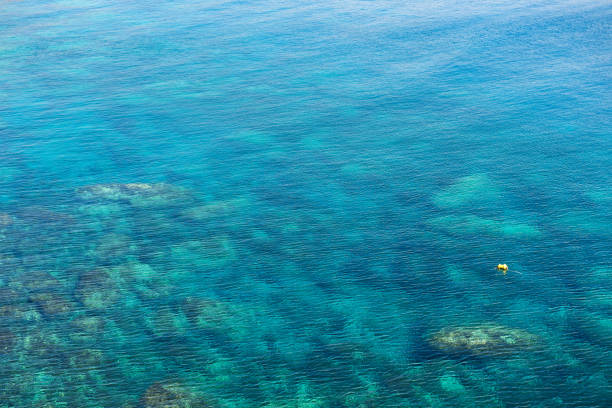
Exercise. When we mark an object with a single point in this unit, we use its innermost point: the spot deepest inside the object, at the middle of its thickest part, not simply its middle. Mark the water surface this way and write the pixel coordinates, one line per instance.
(290, 204)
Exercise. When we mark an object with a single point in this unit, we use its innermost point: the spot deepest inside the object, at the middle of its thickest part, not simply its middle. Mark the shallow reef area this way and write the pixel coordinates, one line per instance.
(155, 307)
(482, 339)
(302, 204)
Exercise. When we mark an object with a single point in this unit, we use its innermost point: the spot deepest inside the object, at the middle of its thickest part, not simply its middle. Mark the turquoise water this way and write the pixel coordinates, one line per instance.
(302, 204)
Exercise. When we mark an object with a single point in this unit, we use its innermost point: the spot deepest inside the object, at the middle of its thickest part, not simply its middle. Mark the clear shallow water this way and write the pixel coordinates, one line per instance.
(330, 186)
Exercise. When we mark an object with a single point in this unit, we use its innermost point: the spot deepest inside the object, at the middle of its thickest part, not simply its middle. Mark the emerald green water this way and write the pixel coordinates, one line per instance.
(281, 204)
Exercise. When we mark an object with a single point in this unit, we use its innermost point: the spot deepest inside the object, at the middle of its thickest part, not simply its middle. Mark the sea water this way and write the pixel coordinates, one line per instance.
(302, 204)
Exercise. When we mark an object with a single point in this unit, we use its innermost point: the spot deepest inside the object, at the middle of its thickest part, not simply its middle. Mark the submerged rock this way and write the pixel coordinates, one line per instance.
(594, 327)
(86, 329)
(20, 311)
(51, 303)
(219, 318)
(481, 340)
(171, 395)
(86, 358)
(43, 343)
(5, 219)
(451, 384)
(6, 259)
(7, 340)
(102, 210)
(211, 252)
(168, 323)
(205, 313)
(10, 296)
(137, 272)
(39, 281)
(97, 290)
(41, 214)
(214, 209)
(138, 194)
(88, 324)
(143, 280)
(112, 246)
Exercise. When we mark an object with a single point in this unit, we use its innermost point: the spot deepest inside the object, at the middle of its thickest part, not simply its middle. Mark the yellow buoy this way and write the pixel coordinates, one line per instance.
(502, 267)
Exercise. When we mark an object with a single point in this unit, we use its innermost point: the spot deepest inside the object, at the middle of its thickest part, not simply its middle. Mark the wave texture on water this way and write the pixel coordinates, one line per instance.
(284, 204)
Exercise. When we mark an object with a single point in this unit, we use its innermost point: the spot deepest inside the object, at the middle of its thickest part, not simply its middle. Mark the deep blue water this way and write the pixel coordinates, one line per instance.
(298, 204)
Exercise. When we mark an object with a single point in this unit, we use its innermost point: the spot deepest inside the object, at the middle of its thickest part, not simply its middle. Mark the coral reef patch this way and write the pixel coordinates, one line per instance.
(482, 340)
(137, 194)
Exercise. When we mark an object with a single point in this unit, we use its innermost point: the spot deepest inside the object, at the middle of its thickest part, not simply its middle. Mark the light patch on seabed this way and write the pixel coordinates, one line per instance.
(216, 208)
(296, 271)
(136, 271)
(596, 327)
(600, 195)
(469, 190)
(585, 221)
(472, 224)
(600, 275)
(312, 143)
(450, 383)
(7, 174)
(101, 210)
(598, 299)
(210, 252)
(462, 277)
(354, 169)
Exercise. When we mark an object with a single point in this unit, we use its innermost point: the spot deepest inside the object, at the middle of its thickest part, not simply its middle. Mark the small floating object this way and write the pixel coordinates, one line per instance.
(502, 267)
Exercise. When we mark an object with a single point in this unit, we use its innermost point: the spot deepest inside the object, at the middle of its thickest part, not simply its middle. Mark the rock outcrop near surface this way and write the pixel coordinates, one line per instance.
(171, 395)
(138, 194)
(97, 290)
(482, 340)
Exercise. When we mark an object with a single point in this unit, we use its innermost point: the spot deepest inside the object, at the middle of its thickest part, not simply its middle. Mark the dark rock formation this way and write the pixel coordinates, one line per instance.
(482, 340)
